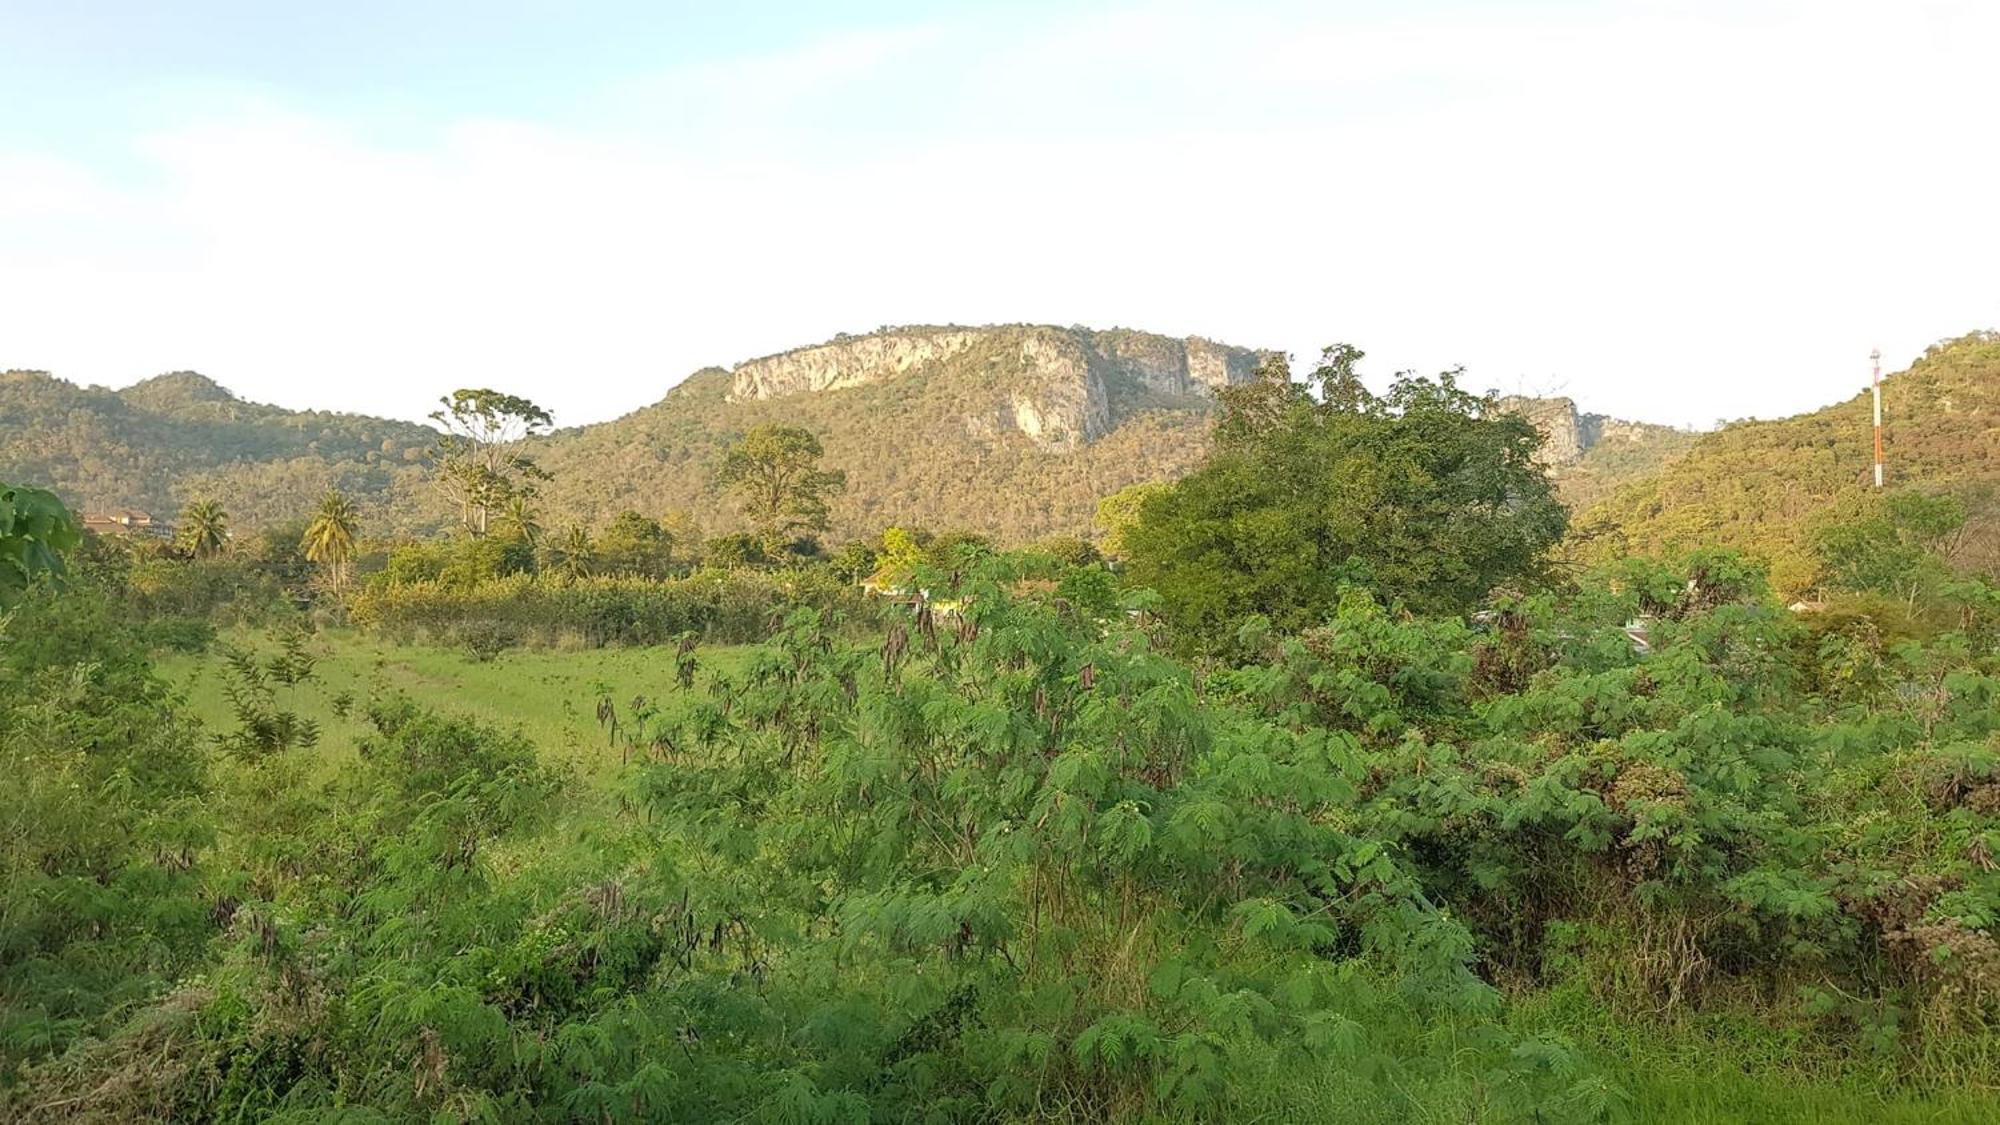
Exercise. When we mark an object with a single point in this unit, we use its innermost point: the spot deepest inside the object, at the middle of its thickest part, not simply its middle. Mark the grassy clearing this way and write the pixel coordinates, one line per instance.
(1664, 1076)
(549, 695)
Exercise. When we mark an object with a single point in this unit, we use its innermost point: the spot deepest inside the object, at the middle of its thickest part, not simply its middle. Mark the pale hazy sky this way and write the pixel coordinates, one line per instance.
(1670, 211)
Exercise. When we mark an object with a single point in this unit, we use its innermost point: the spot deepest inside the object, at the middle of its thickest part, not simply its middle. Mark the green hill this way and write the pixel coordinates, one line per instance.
(1013, 430)
(158, 443)
(1764, 486)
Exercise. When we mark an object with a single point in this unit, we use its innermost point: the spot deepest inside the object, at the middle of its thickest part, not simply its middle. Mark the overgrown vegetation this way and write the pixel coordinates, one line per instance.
(1401, 816)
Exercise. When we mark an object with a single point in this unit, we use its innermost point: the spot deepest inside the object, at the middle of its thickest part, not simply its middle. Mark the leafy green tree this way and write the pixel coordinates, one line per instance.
(35, 530)
(1421, 494)
(329, 538)
(956, 548)
(459, 563)
(278, 551)
(1069, 550)
(477, 463)
(898, 559)
(854, 561)
(204, 528)
(775, 474)
(1118, 512)
(637, 545)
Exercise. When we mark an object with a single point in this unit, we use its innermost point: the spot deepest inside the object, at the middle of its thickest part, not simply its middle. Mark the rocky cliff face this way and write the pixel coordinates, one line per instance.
(1563, 440)
(847, 362)
(1060, 387)
(1569, 435)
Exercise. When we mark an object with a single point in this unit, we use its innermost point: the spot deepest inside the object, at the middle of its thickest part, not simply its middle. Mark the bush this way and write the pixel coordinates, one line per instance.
(105, 852)
(460, 563)
(179, 634)
(728, 607)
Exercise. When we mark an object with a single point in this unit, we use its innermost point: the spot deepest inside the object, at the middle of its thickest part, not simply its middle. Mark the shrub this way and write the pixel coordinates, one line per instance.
(720, 606)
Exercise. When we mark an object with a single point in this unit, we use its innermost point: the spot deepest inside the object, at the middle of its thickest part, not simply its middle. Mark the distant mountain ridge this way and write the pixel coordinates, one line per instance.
(1570, 435)
(1012, 430)
(157, 443)
(1084, 382)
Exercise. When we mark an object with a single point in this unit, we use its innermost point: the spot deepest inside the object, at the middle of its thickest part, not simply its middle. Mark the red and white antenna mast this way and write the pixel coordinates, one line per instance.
(1875, 358)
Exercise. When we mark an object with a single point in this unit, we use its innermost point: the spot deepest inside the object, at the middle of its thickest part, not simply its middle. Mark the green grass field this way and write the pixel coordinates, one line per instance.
(549, 695)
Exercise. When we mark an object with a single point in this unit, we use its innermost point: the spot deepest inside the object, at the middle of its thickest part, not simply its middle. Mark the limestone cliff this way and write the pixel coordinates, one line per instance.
(1568, 436)
(1060, 387)
(1589, 456)
(1563, 439)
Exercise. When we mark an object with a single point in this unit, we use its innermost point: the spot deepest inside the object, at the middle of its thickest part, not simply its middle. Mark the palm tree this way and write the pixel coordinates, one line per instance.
(204, 528)
(329, 538)
(521, 521)
(573, 554)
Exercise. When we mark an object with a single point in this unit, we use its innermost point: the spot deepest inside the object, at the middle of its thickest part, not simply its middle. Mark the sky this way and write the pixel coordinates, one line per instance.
(1671, 211)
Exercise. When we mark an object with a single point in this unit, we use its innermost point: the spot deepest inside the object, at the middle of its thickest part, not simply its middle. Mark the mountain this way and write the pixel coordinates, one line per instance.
(1015, 431)
(1591, 455)
(1764, 486)
(157, 443)
(1011, 430)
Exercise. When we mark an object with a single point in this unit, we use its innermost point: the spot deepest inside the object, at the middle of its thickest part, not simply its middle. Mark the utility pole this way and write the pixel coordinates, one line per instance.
(1875, 358)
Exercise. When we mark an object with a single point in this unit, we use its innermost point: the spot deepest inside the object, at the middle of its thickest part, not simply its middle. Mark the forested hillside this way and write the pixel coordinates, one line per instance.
(1610, 465)
(1015, 431)
(162, 442)
(1765, 487)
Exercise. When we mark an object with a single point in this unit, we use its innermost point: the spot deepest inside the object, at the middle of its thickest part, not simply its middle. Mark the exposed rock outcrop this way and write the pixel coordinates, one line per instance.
(1568, 435)
(847, 362)
(1060, 387)
(1563, 441)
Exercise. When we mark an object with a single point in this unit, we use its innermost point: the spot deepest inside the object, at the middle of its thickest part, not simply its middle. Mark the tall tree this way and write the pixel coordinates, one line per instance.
(329, 538)
(477, 462)
(35, 531)
(1424, 495)
(1119, 512)
(779, 485)
(204, 528)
